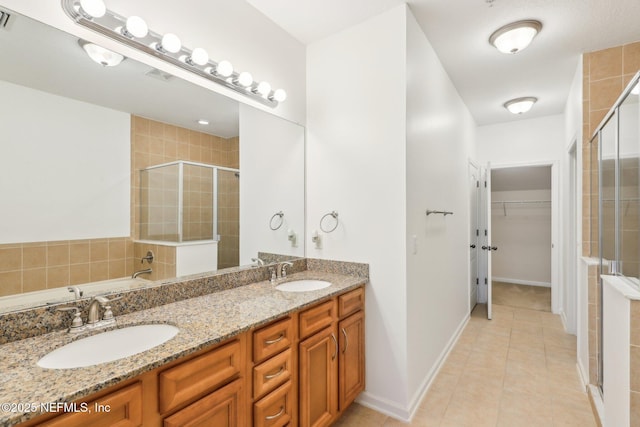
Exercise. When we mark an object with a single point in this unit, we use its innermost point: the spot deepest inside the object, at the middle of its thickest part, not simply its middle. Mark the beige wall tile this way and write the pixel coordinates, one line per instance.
(99, 250)
(10, 283)
(57, 276)
(631, 58)
(99, 271)
(34, 256)
(604, 93)
(117, 268)
(635, 409)
(34, 279)
(79, 273)
(57, 255)
(117, 249)
(605, 63)
(635, 368)
(10, 259)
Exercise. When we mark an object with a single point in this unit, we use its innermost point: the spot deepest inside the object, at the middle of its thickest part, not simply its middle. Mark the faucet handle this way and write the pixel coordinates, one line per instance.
(283, 272)
(77, 320)
(274, 275)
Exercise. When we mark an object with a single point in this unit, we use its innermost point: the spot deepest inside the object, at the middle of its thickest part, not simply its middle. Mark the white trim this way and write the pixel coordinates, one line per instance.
(522, 282)
(396, 411)
(583, 374)
(598, 403)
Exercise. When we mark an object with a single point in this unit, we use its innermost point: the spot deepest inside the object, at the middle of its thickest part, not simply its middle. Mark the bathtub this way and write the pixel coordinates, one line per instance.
(58, 295)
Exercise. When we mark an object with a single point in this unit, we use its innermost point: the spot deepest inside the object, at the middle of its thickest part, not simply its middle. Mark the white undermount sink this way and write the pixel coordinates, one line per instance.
(108, 346)
(303, 285)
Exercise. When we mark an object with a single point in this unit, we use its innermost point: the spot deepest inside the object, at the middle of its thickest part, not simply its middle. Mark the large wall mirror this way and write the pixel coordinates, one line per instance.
(98, 164)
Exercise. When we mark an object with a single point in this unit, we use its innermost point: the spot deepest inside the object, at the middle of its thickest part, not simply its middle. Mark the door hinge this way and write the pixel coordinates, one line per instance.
(477, 232)
(485, 280)
(485, 232)
(478, 184)
(477, 281)
(485, 184)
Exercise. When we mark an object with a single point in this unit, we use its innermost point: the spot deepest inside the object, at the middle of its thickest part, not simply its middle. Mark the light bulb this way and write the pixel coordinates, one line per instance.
(224, 68)
(137, 27)
(279, 95)
(199, 56)
(93, 8)
(264, 88)
(245, 79)
(170, 43)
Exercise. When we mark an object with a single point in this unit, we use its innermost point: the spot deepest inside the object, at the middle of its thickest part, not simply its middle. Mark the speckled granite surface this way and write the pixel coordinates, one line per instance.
(203, 321)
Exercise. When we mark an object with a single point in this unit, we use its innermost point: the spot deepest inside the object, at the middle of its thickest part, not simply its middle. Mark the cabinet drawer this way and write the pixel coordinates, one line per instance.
(195, 377)
(272, 339)
(275, 409)
(350, 302)
(271, 373)
(220, 408)
(317, 318)
(124, 410)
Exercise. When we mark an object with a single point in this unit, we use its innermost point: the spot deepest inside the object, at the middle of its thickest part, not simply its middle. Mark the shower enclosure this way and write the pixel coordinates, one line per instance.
(187, 202)
(615, 197)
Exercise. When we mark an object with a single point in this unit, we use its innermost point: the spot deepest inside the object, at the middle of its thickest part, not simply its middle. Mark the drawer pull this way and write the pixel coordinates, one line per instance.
(346, 341)
(268, 377)
(280, 338)
(335, 341)
(273, 417)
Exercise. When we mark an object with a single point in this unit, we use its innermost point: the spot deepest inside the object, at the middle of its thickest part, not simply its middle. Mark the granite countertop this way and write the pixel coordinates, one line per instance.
(202, 321)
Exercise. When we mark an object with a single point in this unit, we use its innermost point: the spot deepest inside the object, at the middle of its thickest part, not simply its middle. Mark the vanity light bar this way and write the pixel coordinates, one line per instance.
(196, 61)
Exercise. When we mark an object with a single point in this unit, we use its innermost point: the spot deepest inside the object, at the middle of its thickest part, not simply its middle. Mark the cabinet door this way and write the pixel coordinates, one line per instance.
(351, 378)
(122, 408)
(319, 378)
(220, 409)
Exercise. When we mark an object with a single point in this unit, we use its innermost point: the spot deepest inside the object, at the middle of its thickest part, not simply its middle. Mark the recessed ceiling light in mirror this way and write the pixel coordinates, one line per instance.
(520, 105)
(203, 122)
(514, 37)
(100, 55)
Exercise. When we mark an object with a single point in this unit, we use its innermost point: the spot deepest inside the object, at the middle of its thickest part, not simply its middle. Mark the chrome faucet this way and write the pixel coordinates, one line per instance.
(94, 312)
(94, 320)
(77, 292)
(258, 261)
(283, 268)
(139, 272)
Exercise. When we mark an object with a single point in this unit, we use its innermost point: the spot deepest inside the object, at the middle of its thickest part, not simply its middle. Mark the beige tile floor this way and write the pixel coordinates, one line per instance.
(518, 369)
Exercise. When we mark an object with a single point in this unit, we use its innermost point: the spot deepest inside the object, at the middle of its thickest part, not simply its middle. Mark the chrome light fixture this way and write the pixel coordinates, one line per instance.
(134, 32)
(514, 37)
(520, 105)
(99, 54)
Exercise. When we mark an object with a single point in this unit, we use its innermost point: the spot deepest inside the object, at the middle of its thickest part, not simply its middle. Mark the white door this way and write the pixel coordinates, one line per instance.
(486, 247)
(474, 194)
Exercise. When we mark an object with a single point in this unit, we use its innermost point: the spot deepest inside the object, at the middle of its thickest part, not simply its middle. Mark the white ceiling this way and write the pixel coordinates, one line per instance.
(459, 31)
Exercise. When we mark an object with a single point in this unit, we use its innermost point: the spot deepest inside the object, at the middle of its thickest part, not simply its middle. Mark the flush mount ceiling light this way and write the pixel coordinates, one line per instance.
(203, 122)
(99, 54)
(514, 37)
(520, 105)
(134, 32)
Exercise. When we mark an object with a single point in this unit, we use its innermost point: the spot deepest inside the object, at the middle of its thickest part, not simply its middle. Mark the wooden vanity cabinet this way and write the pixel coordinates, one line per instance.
(332, 363)
(303, 369)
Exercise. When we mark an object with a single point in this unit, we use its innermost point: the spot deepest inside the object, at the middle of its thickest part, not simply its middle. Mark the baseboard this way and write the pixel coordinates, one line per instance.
(583, 374)
(393, 409)
(521, 282)
(385, 406)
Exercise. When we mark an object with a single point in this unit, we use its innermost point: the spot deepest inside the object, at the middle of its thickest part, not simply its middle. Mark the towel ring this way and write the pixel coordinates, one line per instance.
(277, 214)
(334, 214)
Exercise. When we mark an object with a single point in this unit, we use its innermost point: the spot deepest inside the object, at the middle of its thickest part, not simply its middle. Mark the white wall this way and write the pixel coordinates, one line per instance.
(440, 141)
(227, 29)
(64, 168)
(271, 180)
(522, 141)
(523, 238)
(575, 297)
(356, 136)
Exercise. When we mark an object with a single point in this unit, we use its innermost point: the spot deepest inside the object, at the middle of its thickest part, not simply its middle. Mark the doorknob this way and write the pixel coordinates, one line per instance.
(473, 246)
